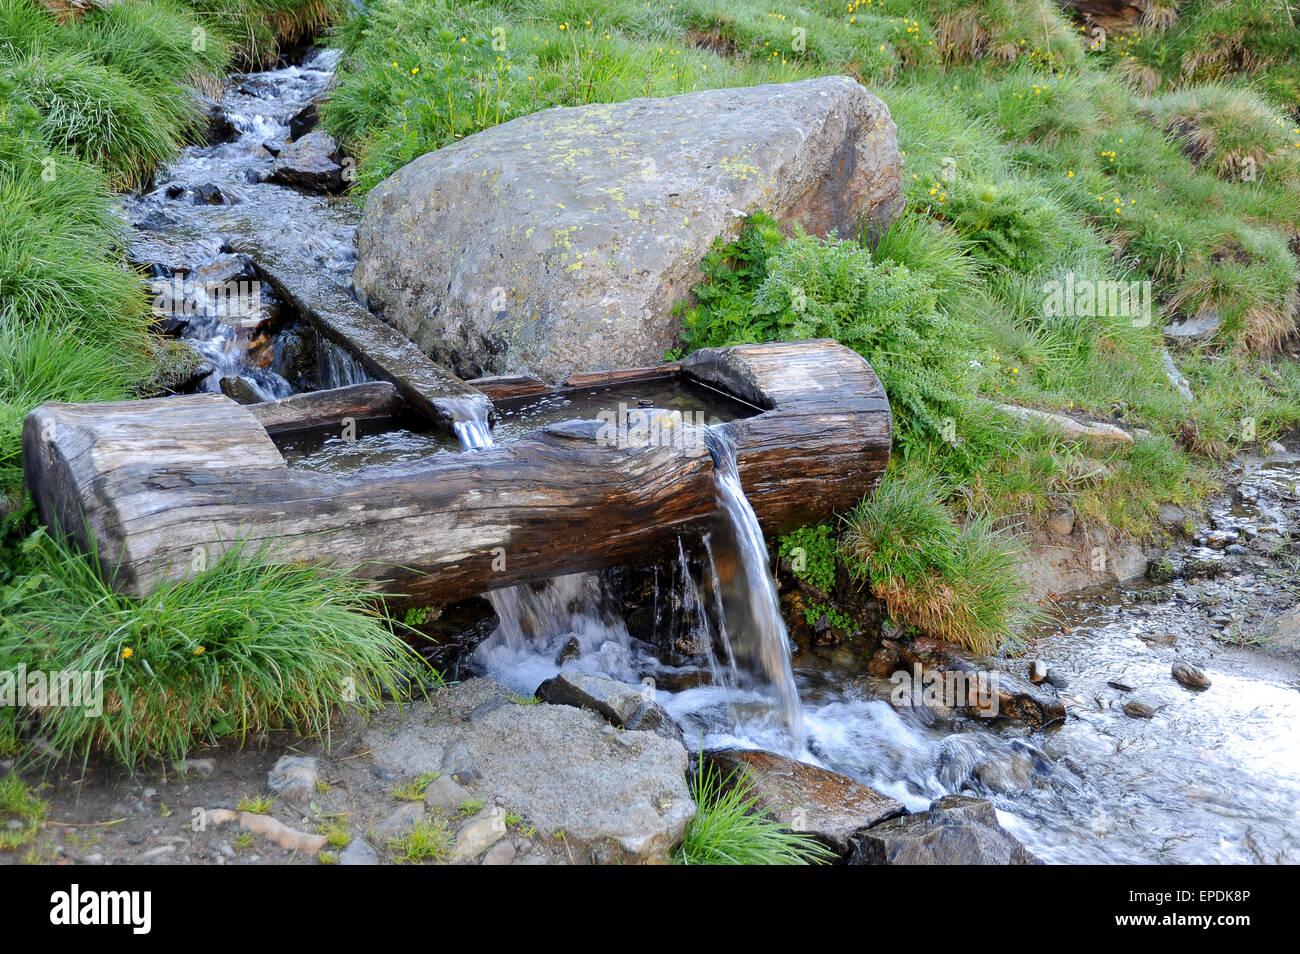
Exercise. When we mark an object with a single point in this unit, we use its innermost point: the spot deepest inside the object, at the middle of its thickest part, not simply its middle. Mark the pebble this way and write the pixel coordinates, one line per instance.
(445, 792)
(358, 852)
(1138, 710)
(1189, 675)
(293, 778)
(502, 853)
(399, 821)
(1037, 671)
(479, 834)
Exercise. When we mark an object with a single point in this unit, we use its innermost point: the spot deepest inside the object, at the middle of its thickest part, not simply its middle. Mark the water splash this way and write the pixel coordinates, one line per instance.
(752, 631)
(470, 421)
(563, 623)
(336, 367)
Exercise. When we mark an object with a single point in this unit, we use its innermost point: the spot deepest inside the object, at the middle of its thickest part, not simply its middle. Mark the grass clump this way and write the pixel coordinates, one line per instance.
(426, 840)
(959, 583)
(256, 804)
(95, 113)
(19, 804)
(413, 791)
(249, 645)
(729, 828)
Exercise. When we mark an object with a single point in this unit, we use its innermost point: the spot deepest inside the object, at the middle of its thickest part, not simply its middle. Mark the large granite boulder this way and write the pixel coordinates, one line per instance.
(561, 240)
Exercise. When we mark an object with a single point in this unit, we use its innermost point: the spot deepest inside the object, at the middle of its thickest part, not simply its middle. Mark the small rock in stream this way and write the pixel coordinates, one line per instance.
(303, 121)
(571, 650)
(1037, 671)
(240, 390)
(208, 194)
(312, 162)
(1138, 710)
(1189, 675)
(957, 830)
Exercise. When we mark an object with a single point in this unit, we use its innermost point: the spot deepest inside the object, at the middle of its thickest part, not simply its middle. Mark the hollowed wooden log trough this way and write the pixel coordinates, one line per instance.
(164, 486)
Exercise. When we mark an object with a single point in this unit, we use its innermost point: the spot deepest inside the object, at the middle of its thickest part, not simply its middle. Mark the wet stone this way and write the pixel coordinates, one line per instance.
(1189, 675)
(1138, 710)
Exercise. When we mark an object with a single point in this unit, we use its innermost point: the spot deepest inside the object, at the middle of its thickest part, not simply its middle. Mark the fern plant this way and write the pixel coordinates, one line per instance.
(761, 288)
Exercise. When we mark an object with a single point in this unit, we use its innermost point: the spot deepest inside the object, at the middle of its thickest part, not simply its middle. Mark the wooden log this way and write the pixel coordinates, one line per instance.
(385, 353)
(606, 379)
(166, 485)
(376, 399)
(505, 386)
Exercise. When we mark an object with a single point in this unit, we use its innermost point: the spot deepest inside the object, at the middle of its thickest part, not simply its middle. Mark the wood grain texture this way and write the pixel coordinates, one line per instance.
(314, 409)
(157, 481)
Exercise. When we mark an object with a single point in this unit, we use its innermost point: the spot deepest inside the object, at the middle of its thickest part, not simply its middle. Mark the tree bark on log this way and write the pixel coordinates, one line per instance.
(165, 486)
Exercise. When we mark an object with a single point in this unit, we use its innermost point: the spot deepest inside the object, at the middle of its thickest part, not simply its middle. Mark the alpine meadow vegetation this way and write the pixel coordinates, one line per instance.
(1034, 157)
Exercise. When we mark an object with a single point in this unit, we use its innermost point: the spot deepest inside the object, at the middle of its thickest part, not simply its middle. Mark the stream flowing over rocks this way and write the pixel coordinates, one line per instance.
(1153, 722)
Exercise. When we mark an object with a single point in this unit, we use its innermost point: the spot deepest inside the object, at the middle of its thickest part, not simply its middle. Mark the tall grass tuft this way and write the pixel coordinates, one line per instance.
(247, 646)
(95, 113)
(729, 830)
(957, 583)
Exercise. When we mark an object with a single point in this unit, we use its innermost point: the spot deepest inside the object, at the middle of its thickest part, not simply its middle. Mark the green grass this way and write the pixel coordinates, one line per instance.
(956, 582)
(256, 804)
(426, 840)
(250, 645)
(413, 791)
(20, 805)
(728, 828)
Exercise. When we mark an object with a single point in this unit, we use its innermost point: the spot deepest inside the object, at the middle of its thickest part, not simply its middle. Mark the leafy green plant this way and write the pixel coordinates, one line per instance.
(837, 619)
(819, 288)
(811, 553)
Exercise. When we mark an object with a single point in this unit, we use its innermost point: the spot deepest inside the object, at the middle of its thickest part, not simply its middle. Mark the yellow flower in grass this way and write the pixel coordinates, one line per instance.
(200, 651)
(128, 652)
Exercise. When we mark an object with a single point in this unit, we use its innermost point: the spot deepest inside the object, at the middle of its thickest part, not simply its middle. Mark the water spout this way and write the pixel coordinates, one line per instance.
(470, 421)
(752, 630)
